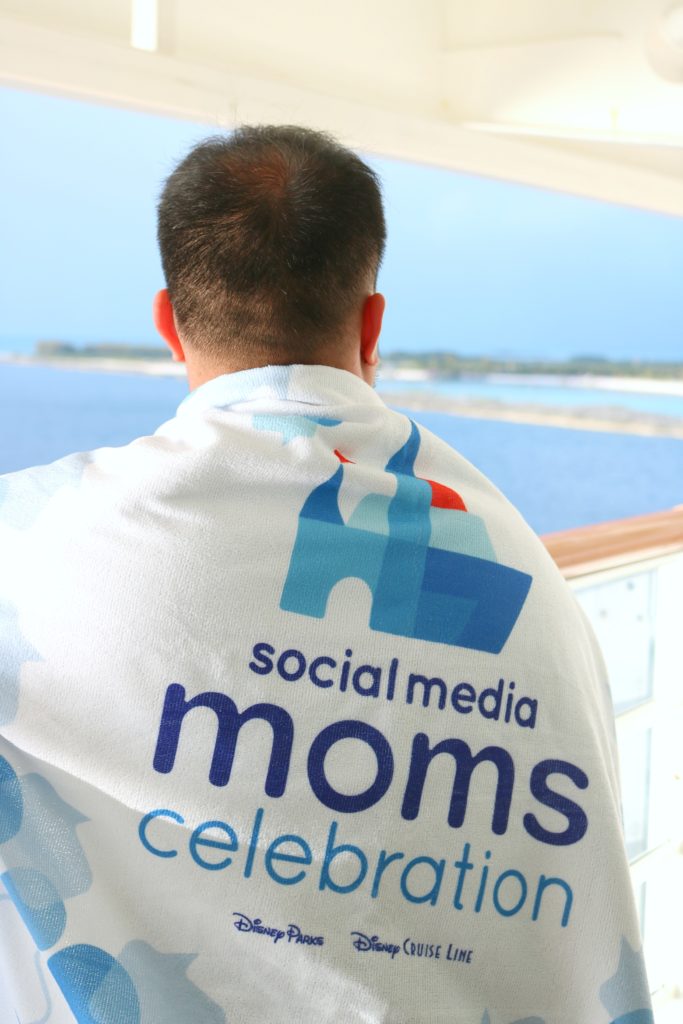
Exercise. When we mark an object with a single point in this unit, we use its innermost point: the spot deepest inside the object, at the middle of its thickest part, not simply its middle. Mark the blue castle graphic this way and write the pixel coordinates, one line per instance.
(429, 565)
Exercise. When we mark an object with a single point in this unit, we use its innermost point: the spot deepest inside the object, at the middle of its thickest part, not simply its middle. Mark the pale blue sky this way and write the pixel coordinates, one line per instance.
(473, 265)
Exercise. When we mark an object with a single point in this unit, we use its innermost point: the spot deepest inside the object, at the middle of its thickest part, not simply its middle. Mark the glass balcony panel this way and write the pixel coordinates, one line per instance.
(635, 749)
(622, 613)
(663, 892)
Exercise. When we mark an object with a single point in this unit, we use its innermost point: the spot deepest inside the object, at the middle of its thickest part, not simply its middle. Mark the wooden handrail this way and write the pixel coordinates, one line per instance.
(588, 549)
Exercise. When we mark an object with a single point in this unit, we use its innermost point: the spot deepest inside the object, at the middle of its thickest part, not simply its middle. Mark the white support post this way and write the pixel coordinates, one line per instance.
(144, 33)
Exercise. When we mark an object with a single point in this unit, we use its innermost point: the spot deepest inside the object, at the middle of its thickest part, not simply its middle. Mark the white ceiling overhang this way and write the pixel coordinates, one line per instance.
(584, 96)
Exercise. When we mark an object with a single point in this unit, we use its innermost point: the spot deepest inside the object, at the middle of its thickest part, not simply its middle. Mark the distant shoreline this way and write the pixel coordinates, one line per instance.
(600, 382)
(167, 368)
(595, 418)
(607, 419)
(113, 364)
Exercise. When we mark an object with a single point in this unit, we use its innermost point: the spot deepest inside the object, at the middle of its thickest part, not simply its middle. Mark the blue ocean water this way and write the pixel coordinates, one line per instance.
(558, 478)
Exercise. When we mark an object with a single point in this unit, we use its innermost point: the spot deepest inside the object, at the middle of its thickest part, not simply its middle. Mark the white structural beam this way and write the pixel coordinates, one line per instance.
(144, 30)
(93, 67)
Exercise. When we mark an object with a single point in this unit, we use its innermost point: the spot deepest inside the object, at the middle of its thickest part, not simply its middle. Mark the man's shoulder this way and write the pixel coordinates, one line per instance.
(26, 492)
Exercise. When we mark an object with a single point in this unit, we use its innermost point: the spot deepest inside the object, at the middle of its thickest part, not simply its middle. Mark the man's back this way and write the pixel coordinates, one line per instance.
(299, 722)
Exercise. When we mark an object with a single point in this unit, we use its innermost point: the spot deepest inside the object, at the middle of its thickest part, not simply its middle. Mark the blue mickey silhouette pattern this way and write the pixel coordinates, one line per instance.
(45, 866)
(16, 650)
(625, 994)
(164, 990)
(290, 427)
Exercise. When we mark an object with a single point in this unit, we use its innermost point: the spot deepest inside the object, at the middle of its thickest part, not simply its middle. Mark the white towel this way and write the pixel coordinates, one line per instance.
(300, 723)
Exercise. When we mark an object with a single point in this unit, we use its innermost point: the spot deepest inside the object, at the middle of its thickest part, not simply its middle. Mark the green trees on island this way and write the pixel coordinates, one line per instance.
(451, 364)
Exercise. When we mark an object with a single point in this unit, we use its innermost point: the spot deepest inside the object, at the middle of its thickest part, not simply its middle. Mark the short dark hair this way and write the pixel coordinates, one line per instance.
(268, 237)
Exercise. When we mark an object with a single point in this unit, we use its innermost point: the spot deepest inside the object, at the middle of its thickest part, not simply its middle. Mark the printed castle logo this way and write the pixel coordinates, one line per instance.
(428, 562)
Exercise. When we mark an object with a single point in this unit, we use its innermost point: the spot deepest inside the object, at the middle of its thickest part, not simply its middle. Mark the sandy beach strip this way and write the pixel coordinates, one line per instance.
(596, 418)
(639, 385)
(147, 367)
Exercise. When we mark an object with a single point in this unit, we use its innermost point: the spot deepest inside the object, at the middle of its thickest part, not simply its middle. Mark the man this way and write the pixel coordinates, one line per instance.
(299, 721)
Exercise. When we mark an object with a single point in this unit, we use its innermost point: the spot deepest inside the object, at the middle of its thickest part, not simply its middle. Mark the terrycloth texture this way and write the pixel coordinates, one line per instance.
(240, 662)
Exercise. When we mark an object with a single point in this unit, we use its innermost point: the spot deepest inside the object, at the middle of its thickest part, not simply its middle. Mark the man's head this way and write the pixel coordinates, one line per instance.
(270, 240)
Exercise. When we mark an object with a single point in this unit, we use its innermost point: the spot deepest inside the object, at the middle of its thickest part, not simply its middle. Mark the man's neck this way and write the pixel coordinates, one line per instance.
(199, 372)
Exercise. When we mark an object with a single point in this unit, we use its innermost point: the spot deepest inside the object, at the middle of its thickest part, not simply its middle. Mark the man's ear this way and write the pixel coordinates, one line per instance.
(164, 321)
(371, 325)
